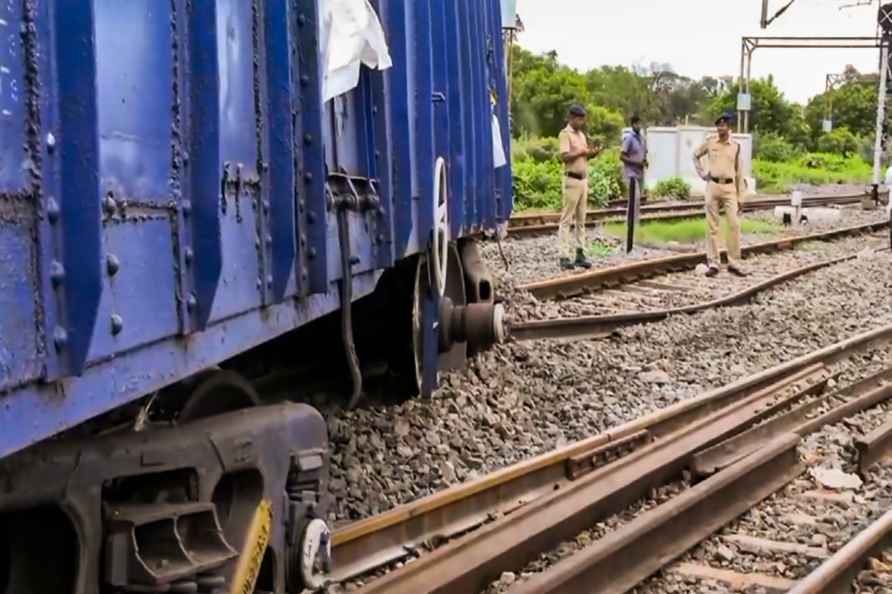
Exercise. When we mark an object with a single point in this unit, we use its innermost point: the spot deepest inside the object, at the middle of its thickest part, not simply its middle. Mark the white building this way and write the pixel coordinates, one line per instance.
(670, 152)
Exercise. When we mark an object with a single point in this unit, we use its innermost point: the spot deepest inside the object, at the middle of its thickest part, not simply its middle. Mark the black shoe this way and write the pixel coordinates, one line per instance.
(712, 271)
(567, 264)
(737, 271)
(582, 261)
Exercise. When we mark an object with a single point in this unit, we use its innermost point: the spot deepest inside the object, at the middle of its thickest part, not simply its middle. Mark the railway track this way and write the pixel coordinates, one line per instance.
(654, 290)
(531, 224)
(740, 441)
(632, 274)
(604, 325)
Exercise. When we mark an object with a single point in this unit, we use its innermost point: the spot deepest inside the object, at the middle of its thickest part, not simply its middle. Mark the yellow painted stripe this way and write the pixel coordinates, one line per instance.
(255, 547)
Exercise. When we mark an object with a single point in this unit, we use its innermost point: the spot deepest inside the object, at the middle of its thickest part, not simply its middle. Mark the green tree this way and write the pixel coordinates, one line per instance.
(605, 124)
(771, 111)
(798, 131)
(839, 142)
(854, 108)
(542, 92)
(623, 91)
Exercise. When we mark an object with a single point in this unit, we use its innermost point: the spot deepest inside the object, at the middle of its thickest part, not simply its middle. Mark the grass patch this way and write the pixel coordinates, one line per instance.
(599, 249)
(813, 168)
(688, 231)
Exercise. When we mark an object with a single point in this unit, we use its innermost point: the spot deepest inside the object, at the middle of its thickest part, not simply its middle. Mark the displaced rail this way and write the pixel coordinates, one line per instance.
(537, 223)
(836, 575)
(564, 287)
(501, 521)
(602, 325)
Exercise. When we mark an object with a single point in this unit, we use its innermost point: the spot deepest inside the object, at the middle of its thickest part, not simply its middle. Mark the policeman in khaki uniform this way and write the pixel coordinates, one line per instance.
(575, 153)
(724, 190)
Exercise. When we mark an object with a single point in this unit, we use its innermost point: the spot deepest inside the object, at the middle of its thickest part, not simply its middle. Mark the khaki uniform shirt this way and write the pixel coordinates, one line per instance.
(724, 159)
(572, 140)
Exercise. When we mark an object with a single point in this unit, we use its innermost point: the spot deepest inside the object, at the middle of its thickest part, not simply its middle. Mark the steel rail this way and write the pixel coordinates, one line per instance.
(627, 556)
(802, 420)
(393, 535)
(588, 326)
(523, 224)
(874, 447)
(623, 559)
(469, 563)
(836, 575)
(435, 515)
(572, 285)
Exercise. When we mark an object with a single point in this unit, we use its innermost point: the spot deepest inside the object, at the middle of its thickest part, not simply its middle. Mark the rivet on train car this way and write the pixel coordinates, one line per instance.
(259, 284)
(311, 217)
(112, 264)
(269, 239)
(301, 204)
(308, 177)
(266, 206)
(60, 338)
(375, 109)
(117, 324)
(57, 273)
(108, 204)
(188, 255)
(192, 301)
(312, 253)
(303, 240)
(269, 281)
(308, 138)
(354, 260)
(377, 154)
(380, 237)
(302, 20)
(50, 141)
(305, 80)
(187, 208)
(52, 210)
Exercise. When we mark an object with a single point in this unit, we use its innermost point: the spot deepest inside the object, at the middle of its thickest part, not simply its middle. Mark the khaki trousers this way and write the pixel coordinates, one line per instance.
(718, 197)
(575, 201)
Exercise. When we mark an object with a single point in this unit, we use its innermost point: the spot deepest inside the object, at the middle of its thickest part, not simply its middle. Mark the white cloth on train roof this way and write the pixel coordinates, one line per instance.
(351, 35)
(500, 159)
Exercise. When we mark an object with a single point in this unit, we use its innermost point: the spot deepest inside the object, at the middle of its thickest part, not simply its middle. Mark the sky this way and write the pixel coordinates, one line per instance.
(699, 37)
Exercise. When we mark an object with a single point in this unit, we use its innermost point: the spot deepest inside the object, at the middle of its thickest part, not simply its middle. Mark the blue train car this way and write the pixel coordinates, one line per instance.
(178, 188)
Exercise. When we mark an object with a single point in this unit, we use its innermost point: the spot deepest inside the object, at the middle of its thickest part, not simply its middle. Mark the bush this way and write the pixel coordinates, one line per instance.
(839, 142)
(540, 150)
(811, 168)
(674, 187)
(537, 185)
(604, 125)
(775, 148)
(605, 177)
(866, 148)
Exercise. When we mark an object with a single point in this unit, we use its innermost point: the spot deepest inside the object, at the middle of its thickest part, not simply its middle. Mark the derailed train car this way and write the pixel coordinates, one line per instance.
(182, 184)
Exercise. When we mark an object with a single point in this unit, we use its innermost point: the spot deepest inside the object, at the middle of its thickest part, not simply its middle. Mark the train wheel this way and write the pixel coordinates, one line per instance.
(218, 392)
(425, 324)
(441, 248)
(421, 286)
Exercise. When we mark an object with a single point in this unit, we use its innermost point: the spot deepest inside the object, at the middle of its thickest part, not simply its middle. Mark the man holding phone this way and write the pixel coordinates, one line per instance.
(574, 153)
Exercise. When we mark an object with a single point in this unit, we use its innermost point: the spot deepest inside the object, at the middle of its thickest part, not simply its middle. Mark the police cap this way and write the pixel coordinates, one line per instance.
(726, 117)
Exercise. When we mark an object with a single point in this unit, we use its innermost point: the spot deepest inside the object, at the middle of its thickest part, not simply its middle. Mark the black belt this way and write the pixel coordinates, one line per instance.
(722, 180)
(578, 176)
